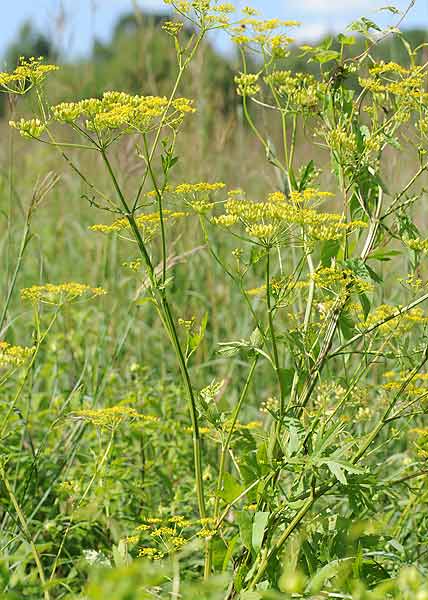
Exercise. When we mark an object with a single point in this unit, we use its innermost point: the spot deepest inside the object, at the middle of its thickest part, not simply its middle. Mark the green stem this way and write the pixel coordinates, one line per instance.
(161, 215)
(163, 306)
(281, 541)
(26, 532)
(40, 340)
(98, 468)
(24, 242)
(273, 335)
(224, 452)
(226, 445)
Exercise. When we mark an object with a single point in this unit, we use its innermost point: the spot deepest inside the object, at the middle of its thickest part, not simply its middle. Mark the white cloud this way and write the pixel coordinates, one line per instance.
(330, 6)
(310, 32)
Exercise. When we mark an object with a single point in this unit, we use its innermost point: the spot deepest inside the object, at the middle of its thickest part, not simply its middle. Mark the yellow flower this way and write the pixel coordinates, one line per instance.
(148, 223)
(125, 112)
(13, 356)
(225, 220)
(418, 245)
(60, 293)
(198, 188)
(300, 91)
(29, 72)
(206, 533)
(32, 128)
(151, 553)
(397, 325)
(264, 232)
(173, 28)
(110, 418)
(247, 84)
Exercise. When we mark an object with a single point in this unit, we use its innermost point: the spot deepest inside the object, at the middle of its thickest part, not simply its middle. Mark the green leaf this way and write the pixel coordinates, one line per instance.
(196, 338)
(337, 471)
(392, 9)
(259, 527)
(365, 304)
(229, 552)
(306, 175)
(373, 275)
(231, 488)
(245, 524)
(329, 249)
(287, 377)
(384, 256)
(293, 181)
(346, 40)
(326, 56)
(364, 25)
(346, 325)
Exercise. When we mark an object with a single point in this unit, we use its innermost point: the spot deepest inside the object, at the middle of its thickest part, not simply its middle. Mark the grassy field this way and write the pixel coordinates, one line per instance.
(213, 337)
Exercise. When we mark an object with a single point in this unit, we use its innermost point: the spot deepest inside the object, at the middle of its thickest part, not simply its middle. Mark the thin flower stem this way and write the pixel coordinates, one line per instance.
(24, 241)
(232, 425)
(273, 335)
(163, 305)
(160, 205)
(98, 468)
(399, 312)
(40, 340)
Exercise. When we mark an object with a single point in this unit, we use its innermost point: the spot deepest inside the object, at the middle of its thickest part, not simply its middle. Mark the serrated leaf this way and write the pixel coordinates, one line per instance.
(337, 471)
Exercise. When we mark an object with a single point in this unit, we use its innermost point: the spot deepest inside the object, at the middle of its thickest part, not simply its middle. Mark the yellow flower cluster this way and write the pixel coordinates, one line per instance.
(207, 13)
(267, 34)
(329, 277)
(227, 7)
(413, 282)
(299, 91)
(148, 223)
(13, 356)
(31, 128)
(173, 28)
(167, 533)
(110, 418)
(28, 73)
(396, 325)
(247, 84)
(422, 441)
(416, 385)
(151, 553)
(342, 141)
(391, 78)
(418, 245)
(198, 188)
(206, 533)
(326, 307)
(59, 293)
(268, 221)
(279, 285)
(118, 110)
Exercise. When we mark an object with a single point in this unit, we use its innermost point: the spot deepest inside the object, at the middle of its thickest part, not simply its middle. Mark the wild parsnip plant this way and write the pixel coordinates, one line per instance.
(308, 475)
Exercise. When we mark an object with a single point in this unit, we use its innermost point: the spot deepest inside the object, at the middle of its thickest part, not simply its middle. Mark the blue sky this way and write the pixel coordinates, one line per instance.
(75, 23)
